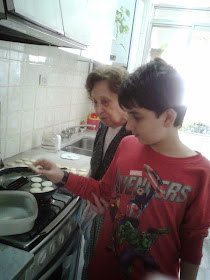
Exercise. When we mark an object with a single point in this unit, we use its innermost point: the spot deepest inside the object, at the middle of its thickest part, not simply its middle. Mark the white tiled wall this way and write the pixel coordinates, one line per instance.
(29, 108)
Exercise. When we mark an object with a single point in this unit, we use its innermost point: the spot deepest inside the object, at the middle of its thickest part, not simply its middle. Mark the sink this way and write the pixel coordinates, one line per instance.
(83, 146)
(84, 143)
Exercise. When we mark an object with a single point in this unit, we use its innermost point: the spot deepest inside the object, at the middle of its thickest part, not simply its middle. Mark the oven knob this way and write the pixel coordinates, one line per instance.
(61, 238)
(31, 269)
(42, 257)
(52, 247)
(68, 228)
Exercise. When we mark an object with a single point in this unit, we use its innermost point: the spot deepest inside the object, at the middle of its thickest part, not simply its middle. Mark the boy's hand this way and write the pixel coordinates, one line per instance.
(50, 170)
(100, 206)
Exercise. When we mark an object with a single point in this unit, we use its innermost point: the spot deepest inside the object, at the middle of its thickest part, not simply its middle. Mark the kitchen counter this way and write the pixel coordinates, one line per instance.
(13, 262)
(39, 152)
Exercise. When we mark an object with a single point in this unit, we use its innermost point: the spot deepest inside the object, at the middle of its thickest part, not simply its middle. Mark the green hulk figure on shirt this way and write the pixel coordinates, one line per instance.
(136, 244)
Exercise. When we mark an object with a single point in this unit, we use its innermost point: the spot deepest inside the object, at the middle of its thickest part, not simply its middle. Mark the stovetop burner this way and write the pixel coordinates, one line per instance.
(45, 202)
(47, 212)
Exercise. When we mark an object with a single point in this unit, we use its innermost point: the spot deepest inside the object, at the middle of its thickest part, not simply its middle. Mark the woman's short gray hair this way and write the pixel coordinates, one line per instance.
(114, 75)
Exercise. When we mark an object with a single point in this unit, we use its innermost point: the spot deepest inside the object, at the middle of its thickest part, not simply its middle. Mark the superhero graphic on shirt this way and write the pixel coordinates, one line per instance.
(140, 202)
(138, 244)
(128, 241)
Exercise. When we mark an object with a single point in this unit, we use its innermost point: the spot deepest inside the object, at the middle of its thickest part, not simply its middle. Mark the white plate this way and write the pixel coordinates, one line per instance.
(70, 156)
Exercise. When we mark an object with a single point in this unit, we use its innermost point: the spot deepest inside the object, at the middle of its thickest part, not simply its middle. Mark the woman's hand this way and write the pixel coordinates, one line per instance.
(100, 206)
(50, 170)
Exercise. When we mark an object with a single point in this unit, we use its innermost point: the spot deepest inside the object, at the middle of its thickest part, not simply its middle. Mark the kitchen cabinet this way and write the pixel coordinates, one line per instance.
(42, 22)
(46, 13)
(101, 15)
(75, 20)
(89, 22)
(86, 25)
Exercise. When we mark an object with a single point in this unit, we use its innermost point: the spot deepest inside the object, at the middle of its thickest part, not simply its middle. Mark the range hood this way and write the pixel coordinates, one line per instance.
(16, 28)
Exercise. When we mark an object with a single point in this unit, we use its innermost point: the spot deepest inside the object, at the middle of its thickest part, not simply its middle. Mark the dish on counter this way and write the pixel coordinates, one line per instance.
(18, 211)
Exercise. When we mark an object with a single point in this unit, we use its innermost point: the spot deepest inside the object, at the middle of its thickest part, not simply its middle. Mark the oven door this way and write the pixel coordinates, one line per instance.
(66, 260)
(61, 241)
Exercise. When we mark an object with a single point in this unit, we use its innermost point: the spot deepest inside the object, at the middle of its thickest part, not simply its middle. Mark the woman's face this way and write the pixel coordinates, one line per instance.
(106, 105)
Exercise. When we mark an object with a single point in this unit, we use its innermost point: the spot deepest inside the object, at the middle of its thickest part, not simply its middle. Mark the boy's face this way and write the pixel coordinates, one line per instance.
(145, 125)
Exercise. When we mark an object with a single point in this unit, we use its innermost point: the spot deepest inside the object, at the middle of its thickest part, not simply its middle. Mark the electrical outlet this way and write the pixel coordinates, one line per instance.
(43, 80)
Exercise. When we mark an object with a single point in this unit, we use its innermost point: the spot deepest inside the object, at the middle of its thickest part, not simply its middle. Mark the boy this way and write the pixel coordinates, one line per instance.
(158, 189)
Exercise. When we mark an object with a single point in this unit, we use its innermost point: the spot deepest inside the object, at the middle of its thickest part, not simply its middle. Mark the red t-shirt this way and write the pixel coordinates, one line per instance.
(159, 212)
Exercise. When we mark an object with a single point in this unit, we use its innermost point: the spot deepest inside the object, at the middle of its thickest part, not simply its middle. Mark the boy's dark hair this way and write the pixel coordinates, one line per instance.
(114, 75)
(155, 86)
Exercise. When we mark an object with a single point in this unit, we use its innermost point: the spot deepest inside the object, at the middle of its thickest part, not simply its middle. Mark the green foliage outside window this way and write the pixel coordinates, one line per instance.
(121, 28)
(196, 127)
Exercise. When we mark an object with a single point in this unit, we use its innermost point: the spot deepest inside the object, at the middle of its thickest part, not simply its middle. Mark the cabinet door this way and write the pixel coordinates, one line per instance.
(75, 20)
(101, 15)
(43, 12)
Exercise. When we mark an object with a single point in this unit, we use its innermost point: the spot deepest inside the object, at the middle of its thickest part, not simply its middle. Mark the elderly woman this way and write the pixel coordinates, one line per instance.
(103, 85)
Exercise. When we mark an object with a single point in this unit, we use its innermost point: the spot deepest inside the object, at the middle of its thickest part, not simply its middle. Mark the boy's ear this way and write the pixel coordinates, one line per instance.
(170, 116)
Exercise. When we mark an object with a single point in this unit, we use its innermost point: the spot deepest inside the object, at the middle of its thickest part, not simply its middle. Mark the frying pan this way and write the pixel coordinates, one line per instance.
(11, 174)
(44, 196)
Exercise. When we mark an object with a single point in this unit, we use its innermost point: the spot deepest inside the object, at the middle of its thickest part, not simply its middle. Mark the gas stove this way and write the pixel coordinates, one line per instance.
(55, 234)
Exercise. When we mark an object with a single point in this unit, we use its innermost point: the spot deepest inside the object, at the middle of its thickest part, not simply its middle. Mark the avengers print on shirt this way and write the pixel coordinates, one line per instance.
(128, 241)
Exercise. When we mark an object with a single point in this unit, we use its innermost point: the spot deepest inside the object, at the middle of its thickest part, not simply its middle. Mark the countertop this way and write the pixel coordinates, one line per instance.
(13, 261)
(39, 152)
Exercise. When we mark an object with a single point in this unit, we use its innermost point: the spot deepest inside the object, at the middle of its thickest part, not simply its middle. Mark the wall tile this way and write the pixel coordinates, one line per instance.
(51, 97)
(49, 117)
(27, 121)
(14, 99)
(16, 55)
(13, 123)
(39, 119)
(25, 142)
(63, 96)
(4, 53)
(65, 114)
(4, 49)
(41, 97)
(3, 94)
(4, 72)
(58, 115)
(15, 73)
(3, 126)
(75, 99)
(12, 146)
(52, 79)
(28, 98)
(37, 138)
(73, 112)
(31, 76)
(20, 47)
(2, 143)
(67, 97)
